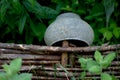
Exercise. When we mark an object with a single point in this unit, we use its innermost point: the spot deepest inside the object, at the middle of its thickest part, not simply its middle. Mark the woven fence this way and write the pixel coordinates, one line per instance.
(44, 61)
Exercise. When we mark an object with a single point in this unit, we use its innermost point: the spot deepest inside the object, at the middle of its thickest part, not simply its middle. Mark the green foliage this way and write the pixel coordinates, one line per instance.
(110, 32)
(11, 71)
(93, 67)
(98, 57)
(107, 60)
(25, 21)
(105, 76)
(97, 65)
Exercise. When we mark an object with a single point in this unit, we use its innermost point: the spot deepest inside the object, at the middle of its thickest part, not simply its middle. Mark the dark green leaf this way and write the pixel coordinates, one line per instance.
(32, 2)
(102, 30)
(22, 22)
(41, 11)
(37, 8)
(97, 8)
(116, 32)
(75, 3)
(49, 13)
(90, 17)
(105, 76)
(38, 29)
(113, 24)
(3, 9)
(29, 37)
(96, 11)
(17, 6)
(108, 35)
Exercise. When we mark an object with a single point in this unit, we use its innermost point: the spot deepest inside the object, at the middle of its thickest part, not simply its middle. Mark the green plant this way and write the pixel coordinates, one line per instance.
(25, 21)
(111, 33)
(11, 71)
(22, 21)
(96, 66)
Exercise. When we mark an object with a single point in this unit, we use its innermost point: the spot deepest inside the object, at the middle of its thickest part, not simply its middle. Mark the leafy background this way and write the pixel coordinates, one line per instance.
(25, 21)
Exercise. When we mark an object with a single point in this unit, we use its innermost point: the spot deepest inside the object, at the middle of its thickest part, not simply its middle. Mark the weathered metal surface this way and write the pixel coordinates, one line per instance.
(69, 26)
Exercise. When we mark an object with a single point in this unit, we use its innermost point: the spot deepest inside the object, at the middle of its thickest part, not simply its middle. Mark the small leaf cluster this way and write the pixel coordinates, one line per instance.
(11, 71)
(112, 31)
(96, 66)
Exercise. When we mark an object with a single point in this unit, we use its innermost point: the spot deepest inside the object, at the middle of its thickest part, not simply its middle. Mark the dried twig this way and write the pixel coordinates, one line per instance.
(37, 49)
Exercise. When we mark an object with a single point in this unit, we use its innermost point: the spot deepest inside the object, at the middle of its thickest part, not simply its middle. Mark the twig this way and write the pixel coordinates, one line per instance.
(36, 49)
(66, 76)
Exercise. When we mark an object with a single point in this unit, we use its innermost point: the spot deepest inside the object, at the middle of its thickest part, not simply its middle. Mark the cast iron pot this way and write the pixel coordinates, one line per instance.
(70, 27)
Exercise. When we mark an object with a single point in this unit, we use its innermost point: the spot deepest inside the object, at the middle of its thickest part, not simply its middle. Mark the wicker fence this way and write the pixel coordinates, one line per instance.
(43, 61)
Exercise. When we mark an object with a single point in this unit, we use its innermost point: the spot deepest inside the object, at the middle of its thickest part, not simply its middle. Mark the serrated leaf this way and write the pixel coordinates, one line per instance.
(14, 67)
(16, 64)
(7, 69)
(93, 66)
(83, 62)
(22, 22)
(98, 57)
(108, 59)
(95, 69)
(23, 76)
(105, 76)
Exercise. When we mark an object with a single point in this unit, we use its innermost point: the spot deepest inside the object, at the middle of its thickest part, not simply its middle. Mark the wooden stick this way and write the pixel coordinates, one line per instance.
(72, 60)
(36, 49)
(64, 57)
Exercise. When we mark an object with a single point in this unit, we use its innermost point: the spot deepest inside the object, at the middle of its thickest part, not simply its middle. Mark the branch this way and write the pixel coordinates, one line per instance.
(37, 49)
